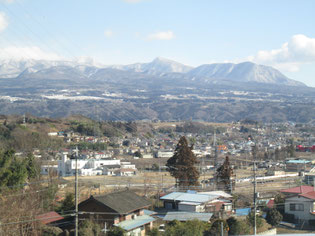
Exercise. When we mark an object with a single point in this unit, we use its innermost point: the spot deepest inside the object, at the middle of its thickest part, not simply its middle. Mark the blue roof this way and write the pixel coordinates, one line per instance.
(148, 212)
(185, 216)
(242, 211)
(133, 224)
(189, 197)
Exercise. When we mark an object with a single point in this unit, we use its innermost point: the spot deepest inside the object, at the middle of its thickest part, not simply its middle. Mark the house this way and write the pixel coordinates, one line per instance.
(197, 202)
(124, 209)
(298, 165)
(302, 207)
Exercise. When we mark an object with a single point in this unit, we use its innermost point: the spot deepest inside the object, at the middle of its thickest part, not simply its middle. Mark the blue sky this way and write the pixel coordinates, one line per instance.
(277, 33)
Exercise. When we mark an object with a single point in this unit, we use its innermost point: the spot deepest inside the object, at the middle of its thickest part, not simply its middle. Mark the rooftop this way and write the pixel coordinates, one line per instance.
(135, 223)
(49, 217)
(301, 189)
(189, 197)
(123, 201)
(310, 195)
(185, 216)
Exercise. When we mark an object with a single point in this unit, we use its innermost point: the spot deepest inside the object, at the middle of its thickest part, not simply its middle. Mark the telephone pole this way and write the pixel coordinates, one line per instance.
(215, 150)
(76, 192)
(255, 194)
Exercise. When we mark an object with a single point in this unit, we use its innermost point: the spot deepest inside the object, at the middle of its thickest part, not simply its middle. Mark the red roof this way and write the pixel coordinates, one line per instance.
(49, 217)
(310, 195)
(271, 203)
(297, 190)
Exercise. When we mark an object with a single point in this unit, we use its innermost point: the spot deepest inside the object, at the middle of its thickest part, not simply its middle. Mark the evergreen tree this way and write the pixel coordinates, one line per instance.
(31, 166)
(182, 165)
(224, 176)
(67, 204)
(273, 217)
(13, 171)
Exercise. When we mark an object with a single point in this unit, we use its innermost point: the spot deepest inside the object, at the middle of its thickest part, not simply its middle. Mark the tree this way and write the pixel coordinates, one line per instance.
(31, 166)
(182, 165)
(67, 204)
(188, 228)
(273, 217)
(13, 171)
(116, 231)
(153, 232)
(237, 227)
(216, 228)
(138, 154)
(224, 176)
(251, 220)
(89, 228)
(279, 203)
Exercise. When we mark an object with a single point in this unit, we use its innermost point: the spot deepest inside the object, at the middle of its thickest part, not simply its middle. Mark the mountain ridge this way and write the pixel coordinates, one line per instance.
(158, 68)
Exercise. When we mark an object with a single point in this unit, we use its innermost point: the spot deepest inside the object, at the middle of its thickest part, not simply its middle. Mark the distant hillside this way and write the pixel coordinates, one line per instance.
(243, 72)
(159, 68)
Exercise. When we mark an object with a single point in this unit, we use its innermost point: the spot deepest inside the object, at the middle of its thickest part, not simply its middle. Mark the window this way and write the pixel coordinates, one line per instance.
(296, 207)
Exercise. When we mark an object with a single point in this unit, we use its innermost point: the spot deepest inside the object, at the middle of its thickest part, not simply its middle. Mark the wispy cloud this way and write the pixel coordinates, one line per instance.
(18, 53)
(133, 1)
(108, 33)
(3, 21)
(163, 35)
(7, 1)
(298, 50)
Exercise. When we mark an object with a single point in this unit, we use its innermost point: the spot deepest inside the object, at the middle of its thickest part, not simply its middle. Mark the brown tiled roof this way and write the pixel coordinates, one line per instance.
(123, 202)
(49, 217)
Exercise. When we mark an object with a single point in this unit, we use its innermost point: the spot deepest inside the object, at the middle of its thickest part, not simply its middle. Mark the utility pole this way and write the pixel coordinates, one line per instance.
(76, 192)
(255, 194)
(215, 150)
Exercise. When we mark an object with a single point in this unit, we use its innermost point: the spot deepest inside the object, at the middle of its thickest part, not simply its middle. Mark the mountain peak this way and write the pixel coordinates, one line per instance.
(242, 72)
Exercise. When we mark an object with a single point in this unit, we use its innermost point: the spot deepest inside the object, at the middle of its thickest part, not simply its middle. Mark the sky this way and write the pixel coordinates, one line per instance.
(277, 33)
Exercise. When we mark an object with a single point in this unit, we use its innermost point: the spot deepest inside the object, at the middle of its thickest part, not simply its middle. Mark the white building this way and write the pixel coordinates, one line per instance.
(66, 166)
(165, 154)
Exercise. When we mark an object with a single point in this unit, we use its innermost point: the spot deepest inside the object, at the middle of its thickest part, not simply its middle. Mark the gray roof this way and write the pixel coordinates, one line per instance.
(123, 202)
(189, 197)
(185, 216)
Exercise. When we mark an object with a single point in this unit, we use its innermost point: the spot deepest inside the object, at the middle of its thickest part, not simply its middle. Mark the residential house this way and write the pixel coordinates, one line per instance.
(197, 202)
(124, 209)
(302, 207)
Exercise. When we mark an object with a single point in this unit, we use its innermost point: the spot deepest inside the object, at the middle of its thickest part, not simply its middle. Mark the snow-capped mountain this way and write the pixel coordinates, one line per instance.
(242, 72)
(159, 66)
(157, 69)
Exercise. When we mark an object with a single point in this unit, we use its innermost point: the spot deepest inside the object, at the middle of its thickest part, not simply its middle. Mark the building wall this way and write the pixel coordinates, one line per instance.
(308, 206)
(185, 207)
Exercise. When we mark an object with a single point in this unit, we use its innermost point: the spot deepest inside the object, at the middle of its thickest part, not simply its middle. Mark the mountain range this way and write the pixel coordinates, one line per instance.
(159, 90)
(158, 68)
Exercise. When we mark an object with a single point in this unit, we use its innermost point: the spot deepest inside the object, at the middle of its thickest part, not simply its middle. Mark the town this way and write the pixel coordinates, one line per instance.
(124, 169)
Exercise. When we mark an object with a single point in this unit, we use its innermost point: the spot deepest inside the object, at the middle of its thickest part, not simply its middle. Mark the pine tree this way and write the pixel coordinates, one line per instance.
(225, 176)
(182, 165)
